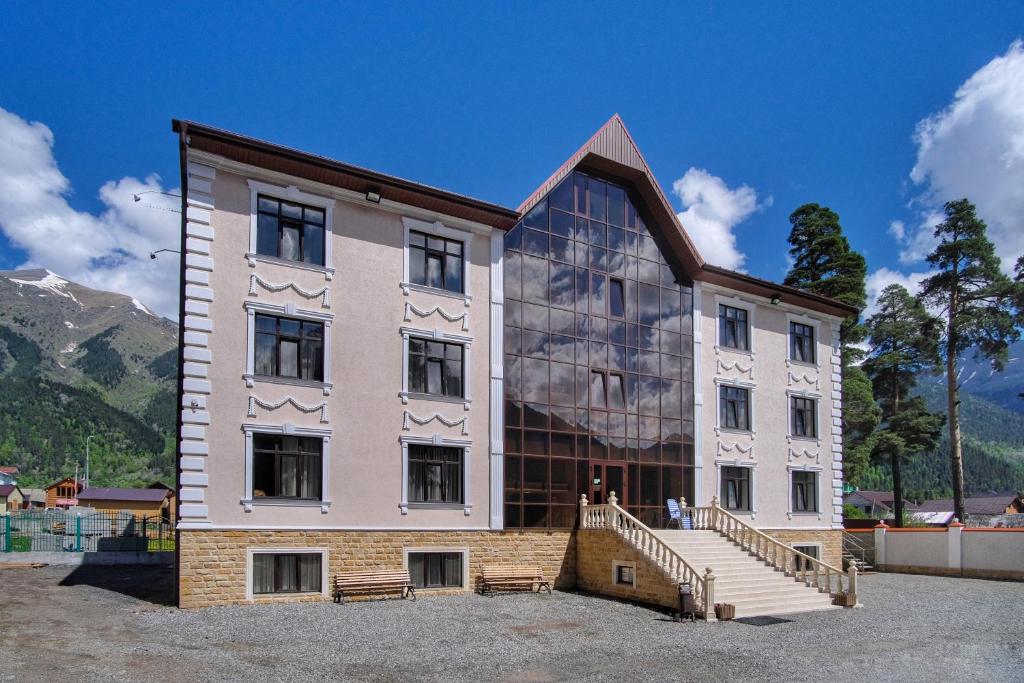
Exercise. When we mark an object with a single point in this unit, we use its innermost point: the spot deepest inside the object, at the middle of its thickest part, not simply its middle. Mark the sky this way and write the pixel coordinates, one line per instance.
(744, 111)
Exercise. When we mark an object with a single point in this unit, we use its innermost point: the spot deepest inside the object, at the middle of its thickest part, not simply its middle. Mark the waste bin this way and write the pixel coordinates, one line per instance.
(687, 607)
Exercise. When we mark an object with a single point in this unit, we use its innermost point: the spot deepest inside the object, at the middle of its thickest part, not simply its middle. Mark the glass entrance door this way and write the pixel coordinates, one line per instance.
(606, 477)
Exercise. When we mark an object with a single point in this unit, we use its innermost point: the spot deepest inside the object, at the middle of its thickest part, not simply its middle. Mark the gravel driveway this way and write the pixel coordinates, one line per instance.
(112, 623)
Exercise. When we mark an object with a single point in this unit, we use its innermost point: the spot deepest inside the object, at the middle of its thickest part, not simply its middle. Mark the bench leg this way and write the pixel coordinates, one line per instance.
(546, 585)
(339, 597)
(411, 592)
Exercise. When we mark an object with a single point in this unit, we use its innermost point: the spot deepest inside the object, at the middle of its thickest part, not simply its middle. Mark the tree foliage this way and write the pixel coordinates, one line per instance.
(980, 306)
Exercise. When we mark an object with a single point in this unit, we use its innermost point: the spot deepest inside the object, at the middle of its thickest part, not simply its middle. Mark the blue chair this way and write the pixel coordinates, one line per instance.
(675, 514)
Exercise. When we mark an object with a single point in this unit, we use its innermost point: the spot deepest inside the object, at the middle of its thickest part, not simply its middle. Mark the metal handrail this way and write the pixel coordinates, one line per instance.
(611, 516)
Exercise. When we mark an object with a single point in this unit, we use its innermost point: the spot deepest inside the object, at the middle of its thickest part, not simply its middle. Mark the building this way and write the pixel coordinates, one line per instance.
(35, 499)
(11, 498)
(147, 502)
(876, 504)
(8, 474)
(433, 381)
(64, 493)
(980, 510)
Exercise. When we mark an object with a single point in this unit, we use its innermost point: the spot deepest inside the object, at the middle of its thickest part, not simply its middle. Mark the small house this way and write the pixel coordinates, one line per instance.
(11, 498)
(876, 504)
(63, 493)
(148, 502)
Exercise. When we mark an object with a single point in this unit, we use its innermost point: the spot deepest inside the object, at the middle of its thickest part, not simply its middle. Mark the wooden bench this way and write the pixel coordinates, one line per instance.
(373, 581)
(503, 577)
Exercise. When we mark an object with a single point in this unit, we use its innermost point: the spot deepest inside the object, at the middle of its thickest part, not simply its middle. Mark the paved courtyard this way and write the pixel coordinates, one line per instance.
(113, 623)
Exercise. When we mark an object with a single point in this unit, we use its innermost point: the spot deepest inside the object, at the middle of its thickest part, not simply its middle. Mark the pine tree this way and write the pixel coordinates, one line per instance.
(824, 263)
(903, 340)
(979, 305)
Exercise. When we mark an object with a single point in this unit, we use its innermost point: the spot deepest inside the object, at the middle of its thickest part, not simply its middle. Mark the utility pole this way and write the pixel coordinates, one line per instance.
(87, 440)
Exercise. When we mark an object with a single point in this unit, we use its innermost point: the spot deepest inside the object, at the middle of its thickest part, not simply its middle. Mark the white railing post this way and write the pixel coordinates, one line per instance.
(714, 512)
(709, 594)
(851, 586)
(583, 511)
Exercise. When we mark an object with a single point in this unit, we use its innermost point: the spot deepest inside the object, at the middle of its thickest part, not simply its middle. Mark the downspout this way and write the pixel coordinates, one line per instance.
(183, 161)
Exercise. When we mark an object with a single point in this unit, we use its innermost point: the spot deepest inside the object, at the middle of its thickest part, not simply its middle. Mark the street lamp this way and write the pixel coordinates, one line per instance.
(87, 440)
(153, 254)
(138, 196)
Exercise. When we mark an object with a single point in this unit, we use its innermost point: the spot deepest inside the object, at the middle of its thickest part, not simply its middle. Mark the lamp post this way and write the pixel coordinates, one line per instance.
(87, 440)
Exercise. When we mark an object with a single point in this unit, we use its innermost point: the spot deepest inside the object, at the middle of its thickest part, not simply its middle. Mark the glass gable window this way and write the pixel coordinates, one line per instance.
(435, 474)
(805, 491)
(289, 348)
(599, 358)
(733, 328)
(435, 262)
(801, 343)
(803, 417)
(289, 231)
(734, 408)
(736, 488)
(435, 570)
(286, 466)
(435, 368)
(286, 573)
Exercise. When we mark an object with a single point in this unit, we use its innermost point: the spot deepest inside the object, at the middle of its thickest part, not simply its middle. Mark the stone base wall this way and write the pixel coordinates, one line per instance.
(831, 541)
(597, 550)
(213, 567)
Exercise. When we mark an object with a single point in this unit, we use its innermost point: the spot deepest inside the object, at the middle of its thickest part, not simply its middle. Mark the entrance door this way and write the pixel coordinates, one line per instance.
(606, 477)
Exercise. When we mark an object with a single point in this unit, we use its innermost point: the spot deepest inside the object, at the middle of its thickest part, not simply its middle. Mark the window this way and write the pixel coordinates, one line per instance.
(803, 417)
(734, 408)
(805, 491)
(811, 550)
(436, 570)
(286, 573)
(289, 231)
(801, 343)
(435, 262)
(625, 574)
(287, 466)
(289, 348)
(736, 488)
(435, 474)
(733, 328)
(616, 300)
(607, 390)
(435, 368)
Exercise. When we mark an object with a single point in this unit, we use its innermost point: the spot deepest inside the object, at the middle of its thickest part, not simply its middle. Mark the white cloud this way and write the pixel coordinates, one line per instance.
(882, 278)
(898, 229)
(106, 251)
(974, 148)
(711, 211)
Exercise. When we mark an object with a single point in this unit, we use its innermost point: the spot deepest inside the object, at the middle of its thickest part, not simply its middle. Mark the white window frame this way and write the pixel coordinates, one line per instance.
(438, 229)
(249, 501)
(719, 464)
(790, 512)
(273, 550)
(437, 440)
(803, 320)
(750, 387)
(464, 550)
(790, 395)
(735, 302)
(615, 573)
(287, 311)
(294, 194)
(436, 334)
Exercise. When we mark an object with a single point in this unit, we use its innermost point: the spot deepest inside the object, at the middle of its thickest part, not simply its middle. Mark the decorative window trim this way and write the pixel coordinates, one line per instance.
(411, 308)
(437, 335)
(790, 512)
(436, 440)
(719, 464)
(438, 229)
(287, 310)
(615, 573)
(740, 384)
(249, 501)
(290, 193)
(803, 320)
(462, 550)
(751, 308)
(324, 293)
(816, 397)
(273, 550)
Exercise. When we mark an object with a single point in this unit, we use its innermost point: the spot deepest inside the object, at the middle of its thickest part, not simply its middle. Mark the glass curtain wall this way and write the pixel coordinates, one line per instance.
(598, 365)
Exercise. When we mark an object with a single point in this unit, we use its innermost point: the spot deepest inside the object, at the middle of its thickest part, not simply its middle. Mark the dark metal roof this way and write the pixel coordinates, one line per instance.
(5, 489)
(143, 495)
(995, 504)
(300, 164)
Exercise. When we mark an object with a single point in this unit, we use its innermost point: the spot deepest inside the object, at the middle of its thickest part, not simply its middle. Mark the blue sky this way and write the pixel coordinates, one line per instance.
(815, 102)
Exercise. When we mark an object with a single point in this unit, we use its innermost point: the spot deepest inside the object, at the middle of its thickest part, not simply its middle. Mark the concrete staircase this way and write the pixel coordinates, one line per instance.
(752, 585)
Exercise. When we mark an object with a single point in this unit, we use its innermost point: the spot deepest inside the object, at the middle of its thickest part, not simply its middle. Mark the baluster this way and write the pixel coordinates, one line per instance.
(817, 580)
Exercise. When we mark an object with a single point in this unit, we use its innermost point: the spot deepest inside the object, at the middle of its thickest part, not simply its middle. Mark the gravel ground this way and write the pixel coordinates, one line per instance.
(112, 623)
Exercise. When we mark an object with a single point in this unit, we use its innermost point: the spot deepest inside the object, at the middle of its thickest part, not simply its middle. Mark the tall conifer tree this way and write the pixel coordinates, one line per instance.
(980, 308)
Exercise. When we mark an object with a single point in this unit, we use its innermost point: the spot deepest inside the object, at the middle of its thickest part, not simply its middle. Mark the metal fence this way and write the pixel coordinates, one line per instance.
(71, 531)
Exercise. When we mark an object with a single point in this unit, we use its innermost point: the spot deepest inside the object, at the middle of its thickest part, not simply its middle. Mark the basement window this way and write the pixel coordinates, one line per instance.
(811, 550)
(436, 569)
(624, 574)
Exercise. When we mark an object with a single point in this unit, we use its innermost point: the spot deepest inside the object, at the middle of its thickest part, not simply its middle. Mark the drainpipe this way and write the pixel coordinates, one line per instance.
(183, 162)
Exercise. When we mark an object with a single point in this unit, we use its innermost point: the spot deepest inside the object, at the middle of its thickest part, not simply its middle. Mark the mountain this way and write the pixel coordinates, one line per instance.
(76, 361)
(1002, 388)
